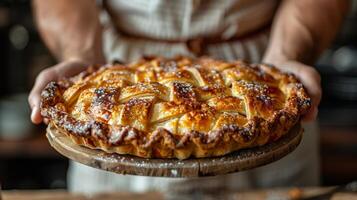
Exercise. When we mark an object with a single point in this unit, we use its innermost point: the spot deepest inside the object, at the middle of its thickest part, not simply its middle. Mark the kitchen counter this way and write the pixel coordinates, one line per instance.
(293, 193)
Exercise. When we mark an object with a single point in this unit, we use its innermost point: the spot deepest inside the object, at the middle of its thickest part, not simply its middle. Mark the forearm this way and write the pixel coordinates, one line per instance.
(302, 29)
(70, 29)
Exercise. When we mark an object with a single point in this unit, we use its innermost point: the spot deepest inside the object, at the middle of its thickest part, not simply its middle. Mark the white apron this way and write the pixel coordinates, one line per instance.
(299, 168)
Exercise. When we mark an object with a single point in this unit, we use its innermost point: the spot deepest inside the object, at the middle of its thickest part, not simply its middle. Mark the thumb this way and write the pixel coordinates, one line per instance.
(35, 95)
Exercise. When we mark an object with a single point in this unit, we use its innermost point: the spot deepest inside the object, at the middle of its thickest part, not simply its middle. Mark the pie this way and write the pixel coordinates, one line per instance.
(175, 108)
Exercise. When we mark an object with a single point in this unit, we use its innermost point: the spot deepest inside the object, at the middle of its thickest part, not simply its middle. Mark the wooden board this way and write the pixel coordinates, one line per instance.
(194, 167)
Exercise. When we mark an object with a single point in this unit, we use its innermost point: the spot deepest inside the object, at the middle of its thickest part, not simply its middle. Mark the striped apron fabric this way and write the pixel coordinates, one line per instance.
(184, 20)
(155, 25)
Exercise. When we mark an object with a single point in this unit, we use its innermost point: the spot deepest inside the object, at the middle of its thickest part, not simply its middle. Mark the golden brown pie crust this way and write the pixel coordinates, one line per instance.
(175, 108)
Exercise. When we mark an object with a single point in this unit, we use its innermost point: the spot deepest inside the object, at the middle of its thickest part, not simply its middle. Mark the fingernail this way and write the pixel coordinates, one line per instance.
(33, 113)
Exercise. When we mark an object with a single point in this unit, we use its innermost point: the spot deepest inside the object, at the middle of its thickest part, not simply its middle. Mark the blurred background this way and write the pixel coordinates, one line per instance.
(28, 162)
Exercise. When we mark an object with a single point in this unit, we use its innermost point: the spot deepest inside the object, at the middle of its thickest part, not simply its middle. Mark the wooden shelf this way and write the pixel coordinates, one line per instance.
(35, 146)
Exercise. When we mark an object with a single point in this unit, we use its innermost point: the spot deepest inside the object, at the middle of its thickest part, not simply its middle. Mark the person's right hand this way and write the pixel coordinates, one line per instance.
(54, 73)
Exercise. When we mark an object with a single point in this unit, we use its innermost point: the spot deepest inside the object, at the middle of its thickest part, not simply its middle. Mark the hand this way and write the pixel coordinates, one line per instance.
(54, 73)
(311, 80)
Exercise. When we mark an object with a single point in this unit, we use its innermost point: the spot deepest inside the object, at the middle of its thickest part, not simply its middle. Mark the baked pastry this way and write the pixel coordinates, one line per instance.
(175, 108)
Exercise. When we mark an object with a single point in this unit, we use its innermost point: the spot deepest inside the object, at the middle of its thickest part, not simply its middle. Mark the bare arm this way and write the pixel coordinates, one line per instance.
(71, 30)
(302, 29)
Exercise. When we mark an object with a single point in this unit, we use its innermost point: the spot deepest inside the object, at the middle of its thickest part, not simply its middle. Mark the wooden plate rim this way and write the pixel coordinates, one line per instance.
(194, 167)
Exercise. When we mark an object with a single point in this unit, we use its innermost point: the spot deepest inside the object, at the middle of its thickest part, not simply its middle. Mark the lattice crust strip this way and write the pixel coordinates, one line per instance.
(180, 107)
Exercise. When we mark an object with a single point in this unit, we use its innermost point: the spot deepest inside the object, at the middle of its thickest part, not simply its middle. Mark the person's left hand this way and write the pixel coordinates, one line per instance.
(311, 80)
(62, 70)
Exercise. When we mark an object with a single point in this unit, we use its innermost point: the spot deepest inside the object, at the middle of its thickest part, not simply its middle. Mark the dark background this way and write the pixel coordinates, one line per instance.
(28, 162)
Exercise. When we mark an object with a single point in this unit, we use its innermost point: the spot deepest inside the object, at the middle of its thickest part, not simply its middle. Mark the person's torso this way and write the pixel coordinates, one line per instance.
(187, 19)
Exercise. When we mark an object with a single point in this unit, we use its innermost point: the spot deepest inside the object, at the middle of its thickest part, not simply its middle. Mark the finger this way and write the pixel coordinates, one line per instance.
(311, 115)
(35, 95)
(63, 69)
(313, 87)
(311, 80)
(312, 83)
(309, 77)
(34, 101)
(36, 117)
